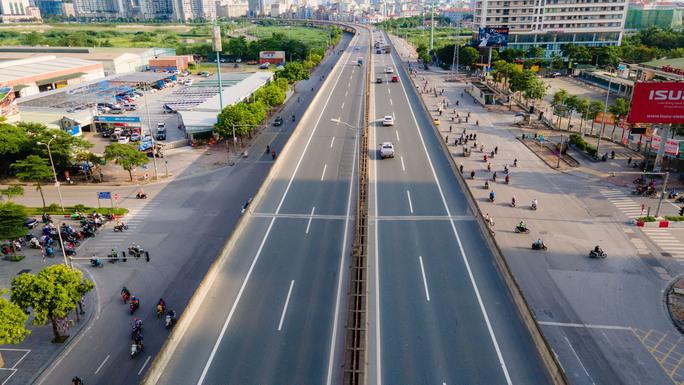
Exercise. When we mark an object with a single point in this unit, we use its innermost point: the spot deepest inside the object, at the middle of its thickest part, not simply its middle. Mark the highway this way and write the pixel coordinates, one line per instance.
(272, 310)
(440, 312)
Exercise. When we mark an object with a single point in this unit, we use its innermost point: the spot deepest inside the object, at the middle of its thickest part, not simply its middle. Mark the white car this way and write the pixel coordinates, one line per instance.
(123, 140)
(388, 120)
(386, 150)
(389, 70)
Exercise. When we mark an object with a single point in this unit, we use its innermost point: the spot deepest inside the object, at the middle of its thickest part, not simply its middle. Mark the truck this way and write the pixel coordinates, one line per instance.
(387, 48)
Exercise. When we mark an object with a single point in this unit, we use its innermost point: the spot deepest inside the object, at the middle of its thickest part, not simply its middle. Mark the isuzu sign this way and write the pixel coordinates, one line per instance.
(657, 103)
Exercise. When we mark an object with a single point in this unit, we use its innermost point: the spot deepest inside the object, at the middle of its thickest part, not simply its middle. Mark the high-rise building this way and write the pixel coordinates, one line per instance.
(157, 9)
(15, 10)
(99, 8)
(50, 7)
(551, 24)
(231, 8)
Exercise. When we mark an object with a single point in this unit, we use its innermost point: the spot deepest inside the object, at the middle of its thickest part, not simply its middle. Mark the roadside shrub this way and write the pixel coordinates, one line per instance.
(53, 207)
(15, 258)
(674, 218)
(79, 207)
(647, 219)
(591, 150)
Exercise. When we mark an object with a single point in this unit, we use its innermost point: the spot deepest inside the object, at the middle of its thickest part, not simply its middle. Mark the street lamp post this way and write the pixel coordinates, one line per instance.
(54, 172)
(149, 130)
(603, 120)
(61, 244)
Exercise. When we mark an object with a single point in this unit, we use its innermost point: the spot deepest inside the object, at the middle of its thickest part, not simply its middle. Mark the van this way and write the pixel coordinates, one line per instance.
(130, 107)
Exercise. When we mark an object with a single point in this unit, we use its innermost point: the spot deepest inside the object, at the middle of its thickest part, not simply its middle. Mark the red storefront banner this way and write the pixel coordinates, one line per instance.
(657, 103)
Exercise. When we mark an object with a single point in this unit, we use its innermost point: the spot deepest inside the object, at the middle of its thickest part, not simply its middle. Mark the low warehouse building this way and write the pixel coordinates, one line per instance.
(45, 73)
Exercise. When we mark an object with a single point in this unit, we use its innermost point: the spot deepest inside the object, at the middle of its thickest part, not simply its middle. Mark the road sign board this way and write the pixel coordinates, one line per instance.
(104, 195)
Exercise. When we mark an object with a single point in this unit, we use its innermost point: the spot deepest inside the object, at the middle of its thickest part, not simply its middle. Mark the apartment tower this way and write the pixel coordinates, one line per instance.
(551, 24)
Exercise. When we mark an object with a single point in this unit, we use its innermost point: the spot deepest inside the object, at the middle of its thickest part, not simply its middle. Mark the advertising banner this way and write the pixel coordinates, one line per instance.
(493, 37)
(655, 143)
(661, 102)
(672, 147)
(609, 118)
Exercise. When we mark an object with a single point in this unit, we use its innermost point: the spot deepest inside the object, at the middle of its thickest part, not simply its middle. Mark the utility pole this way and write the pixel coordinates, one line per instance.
(432, 27)
(216, 45)
(603, 120)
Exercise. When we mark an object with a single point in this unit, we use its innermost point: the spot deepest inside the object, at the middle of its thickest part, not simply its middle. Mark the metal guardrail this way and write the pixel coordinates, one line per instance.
(355, 340)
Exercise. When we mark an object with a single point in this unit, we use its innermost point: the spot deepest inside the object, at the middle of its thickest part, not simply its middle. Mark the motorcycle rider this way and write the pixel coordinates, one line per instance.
(488, 219)
(539, 244)
(161, 307)
(522, 226)
(486, 185)
(76, 381)
(598, 250)
(172, 315)
(491, 196)
(95, 261)
(534, 204)
(135, 302)
(513, 201)
(134, 249)
(507, 179)
(515, 162)
(113, 254)
(137, 325)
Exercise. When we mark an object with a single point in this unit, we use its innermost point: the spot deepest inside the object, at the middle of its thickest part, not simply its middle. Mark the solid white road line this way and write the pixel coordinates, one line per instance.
(332, 141)
(460, 245)
(403, 168)
(408, 195)
(310, 218)
(422, 271)
(268, 232)
(586, 326)
(287, 302)
(102, 364)
(578, 360)
(144, 365)
(325, 166)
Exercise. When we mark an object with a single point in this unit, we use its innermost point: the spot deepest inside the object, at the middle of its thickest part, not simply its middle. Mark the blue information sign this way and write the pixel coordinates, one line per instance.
(104, 195)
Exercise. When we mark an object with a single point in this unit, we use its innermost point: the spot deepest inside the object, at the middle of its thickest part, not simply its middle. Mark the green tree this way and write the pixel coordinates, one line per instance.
(126, 156)
(595, 107)
(577, 53)
(34, 169)
(12, 322)
(270, 95)
(12, 191)
(521, 81)
(582, 107)
(468, 56)
(512, 54)
(535, 52)
(620, 109)
(536, 90)
(558, 103)
(236, 46)
(293, 72)
(51, 294)
(570, 106)
(12, 217)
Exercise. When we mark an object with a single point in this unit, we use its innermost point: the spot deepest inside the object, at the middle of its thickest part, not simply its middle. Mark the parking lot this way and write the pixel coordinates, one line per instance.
(575, 87)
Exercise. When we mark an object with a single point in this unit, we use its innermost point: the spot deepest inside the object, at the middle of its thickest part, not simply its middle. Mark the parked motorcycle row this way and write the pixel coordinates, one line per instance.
(137, 344)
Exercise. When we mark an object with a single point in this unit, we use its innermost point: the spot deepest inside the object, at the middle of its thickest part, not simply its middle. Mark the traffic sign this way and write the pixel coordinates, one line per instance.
(116, 196)
(104, 195)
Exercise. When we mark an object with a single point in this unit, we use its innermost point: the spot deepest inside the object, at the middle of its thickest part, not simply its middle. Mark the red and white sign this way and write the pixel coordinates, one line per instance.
(672, 147)
(657, 103)
(655, 143)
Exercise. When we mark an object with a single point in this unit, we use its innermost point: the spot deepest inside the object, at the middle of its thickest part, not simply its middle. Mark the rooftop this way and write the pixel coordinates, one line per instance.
(18, 69)
(94, 53)
(674, 63)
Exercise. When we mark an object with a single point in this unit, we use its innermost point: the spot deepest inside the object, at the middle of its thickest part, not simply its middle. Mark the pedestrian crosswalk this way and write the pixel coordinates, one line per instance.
(664, 239)
(623, 202)
(108, 239)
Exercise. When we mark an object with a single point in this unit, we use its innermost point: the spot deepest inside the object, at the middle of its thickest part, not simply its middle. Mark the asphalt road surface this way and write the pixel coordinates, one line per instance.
(190, 222)
(440, 312)
(271, 313)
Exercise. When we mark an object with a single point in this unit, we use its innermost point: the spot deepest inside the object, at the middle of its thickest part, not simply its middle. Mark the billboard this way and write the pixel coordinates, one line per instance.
(493, 37)
(657, 103)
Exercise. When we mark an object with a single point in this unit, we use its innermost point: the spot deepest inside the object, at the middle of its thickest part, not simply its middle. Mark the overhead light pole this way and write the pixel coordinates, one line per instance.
(54, 172)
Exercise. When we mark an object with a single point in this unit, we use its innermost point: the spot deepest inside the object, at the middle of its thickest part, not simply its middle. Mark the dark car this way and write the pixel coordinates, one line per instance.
(106, 133)
(278, 121)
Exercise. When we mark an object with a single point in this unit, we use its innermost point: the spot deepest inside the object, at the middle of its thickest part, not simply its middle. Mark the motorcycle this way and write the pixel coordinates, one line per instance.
(141, 196)
(96, 262)
(125, 297)
(513, 202)
(170, 319)
(491, 196)
(486, 185)
(160, 310)
(134, 305)
(533, 206)
(599, 254)
(524, 230)
(135, 349)
(120, 227)
(537, 246)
